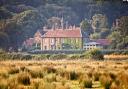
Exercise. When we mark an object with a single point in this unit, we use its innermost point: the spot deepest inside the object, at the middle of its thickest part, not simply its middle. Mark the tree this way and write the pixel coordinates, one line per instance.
(54, 21)
(119, 35)
(99, 21)
(4, 40)
(104, 32)
(23, 26)
(95, 36)
(85, 26)
(115, 39)
(124, 26)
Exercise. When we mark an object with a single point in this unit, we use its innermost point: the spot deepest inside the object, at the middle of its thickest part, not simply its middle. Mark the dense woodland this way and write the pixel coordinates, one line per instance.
(20, 19)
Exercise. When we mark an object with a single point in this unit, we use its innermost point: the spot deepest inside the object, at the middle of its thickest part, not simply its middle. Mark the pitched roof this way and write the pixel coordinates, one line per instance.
(104, 42)
(91, 43)
(63, 33)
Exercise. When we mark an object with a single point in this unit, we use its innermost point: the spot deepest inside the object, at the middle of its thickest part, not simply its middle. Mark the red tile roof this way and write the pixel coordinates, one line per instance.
(63, 33)
(104, 42)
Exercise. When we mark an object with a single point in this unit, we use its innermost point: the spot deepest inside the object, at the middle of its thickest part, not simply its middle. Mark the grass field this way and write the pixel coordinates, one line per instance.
(63, 74)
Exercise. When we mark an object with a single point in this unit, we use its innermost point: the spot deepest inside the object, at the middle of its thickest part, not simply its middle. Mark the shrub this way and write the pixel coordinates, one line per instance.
(125, 52)
(74, 56)
(58, 56)
(95, 54)
(87, 83)
(15, 56)
(45, 56)
(24, 78)
(26, 57)
(83, 56)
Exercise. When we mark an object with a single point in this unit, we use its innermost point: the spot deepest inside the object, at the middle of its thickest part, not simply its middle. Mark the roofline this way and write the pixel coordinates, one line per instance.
(59, 37)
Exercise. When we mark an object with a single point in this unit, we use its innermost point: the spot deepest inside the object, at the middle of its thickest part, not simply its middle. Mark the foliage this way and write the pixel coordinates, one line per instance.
(95, 36)
(85, 26)
(119, 35)
(58, 56)
(74, 56)
(95, 54)
(4, 40)
(99, 21)
(15, 56)
(21, 19)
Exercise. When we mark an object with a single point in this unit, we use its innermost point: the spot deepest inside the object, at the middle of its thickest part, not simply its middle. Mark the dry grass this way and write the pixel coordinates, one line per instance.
(116, 57)
(63, 74)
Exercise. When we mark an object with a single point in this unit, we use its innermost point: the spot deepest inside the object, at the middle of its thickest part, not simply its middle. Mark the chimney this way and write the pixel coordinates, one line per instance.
(70, 27)
(44, 28)
(74, 27)
(62, 23)
(66, 25)
(53, 27)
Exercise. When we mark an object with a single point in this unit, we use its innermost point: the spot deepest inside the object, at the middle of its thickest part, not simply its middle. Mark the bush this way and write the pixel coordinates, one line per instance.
(95, 54)
(83, 56)
(24, 78)
(14, 56)
(125, 52)
(87, 83)
(45, 56)
(58, 56)
(74, 56)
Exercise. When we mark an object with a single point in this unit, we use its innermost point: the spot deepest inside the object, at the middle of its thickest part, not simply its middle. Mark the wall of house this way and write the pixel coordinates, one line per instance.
(92, 46)
(61, 43)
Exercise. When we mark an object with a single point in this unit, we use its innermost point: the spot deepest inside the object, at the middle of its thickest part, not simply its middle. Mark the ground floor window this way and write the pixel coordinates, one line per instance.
(45, 47)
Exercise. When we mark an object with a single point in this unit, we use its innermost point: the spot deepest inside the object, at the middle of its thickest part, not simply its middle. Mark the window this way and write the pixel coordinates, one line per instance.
(45, 47)
(52, 40)
(52, 47)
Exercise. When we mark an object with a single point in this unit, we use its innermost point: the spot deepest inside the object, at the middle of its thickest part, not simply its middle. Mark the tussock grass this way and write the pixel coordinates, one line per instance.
(13, 70)
(63, 74)
(24, 78)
